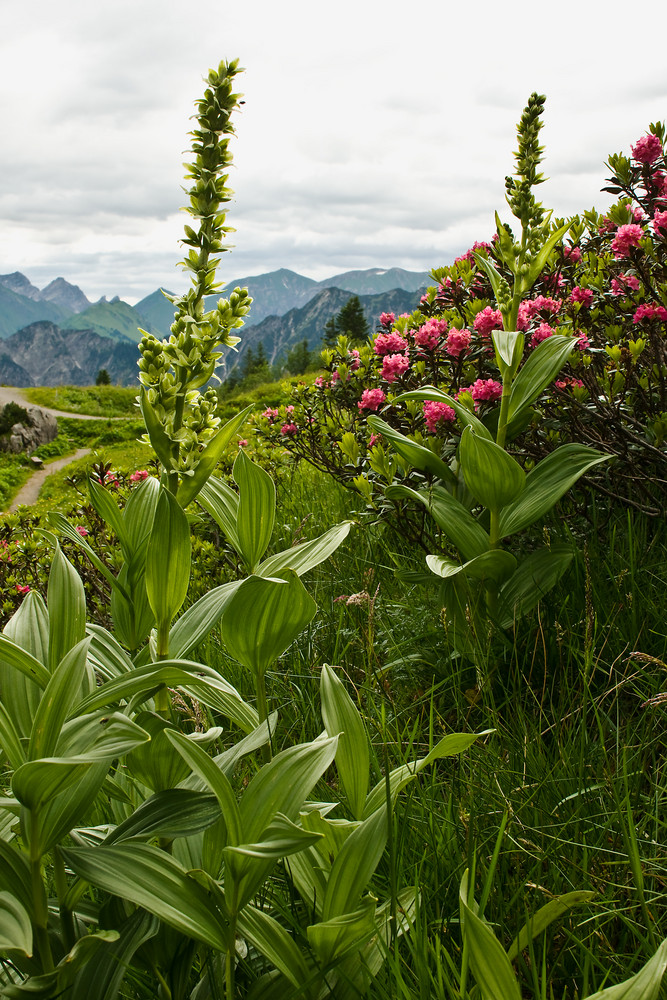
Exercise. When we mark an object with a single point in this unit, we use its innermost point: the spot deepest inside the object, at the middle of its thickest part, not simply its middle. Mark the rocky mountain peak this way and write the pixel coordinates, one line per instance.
(20, 285)
(64, 294)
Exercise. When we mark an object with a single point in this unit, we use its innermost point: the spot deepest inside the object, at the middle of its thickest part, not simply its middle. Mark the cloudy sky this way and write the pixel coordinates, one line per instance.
(373, 133)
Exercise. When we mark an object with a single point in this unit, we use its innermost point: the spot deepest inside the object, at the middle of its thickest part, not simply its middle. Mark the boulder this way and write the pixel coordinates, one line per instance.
(44, 428)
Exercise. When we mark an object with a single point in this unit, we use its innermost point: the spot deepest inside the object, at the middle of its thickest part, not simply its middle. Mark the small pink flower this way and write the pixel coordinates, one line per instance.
(638, 213)
(647, 149)
(386, 320)
(487, 320)
(582, 295)
(137, 477)
(81, 530)
(573, 254)
(569, 383)
(485, 390)
(529, 309)
(458, 342)
(21, 589)
(371, 399)
(335, 377)
(388, 343)
(650, 311)
(624, 283)
(394, 365)
(270, 414)
(373, 440)
(243, 442)
(660, 221)
(429, 334)
(436, 413)
(543, 332)
(626, 237)
(289, 430)
(289, 409)
(320, 382)
(606, 225)
(355, 363)
(583, 343)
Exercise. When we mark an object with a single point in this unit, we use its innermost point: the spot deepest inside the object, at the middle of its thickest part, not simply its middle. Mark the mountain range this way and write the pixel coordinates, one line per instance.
(56, 335)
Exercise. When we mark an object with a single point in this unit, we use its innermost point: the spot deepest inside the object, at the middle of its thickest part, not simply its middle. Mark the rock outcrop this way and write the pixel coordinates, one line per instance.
(43, 428)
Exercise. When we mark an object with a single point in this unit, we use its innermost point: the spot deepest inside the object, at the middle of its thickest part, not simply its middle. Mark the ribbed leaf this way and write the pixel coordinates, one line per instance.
(304, 557)
(415, 454)
(150, 878)
(331, 939)
(458, 523)
(15, 875)
(209, 458)
(62, 694)
(644, 986)
(496, 565)
(489, 963)
(534, 578)
(66, 601)
(214, 778)
(257, 509)
(546, 915)
(273, 941)
(280, 839)
(546, 484)
(509, 350)
(176, 812)
(15, 926)
(24, 653)
(40, 781)
(539, 371)
(490, 474)
(490, 270)
(356, 861)
(102, 978)
(263, 619)
(342, 718)
(222, 503)
(139, 513)
(161, 444)
(197, 621)
(157, 764)
(10, 740)
(111, 514)
(67, 809)
(101, 736)
(168, 560)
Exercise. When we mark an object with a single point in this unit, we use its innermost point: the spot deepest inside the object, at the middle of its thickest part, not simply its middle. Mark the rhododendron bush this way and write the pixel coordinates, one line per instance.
(604, 284)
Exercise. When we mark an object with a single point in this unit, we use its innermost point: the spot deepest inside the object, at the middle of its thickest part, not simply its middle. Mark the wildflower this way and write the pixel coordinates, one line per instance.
(436, 413)
(647, 149)
(623, 284)
(355, 363)
(485, 390)
(573, 254)
(543, 332)
(21, 589)
(582, 295)
(458, 342)
(583, 342)
(650, 311)
(270, 414)
(81, 530)
(626, 237)
(569, 383)
(394, 365)
(373, 440)
(388, 343)
(243, 442)
(660, 221)
(429, 334)
(487, 320)
(529, 309)
(289, 430)
(137, 477)
(386, 319)
(371, 399)
(321, 383)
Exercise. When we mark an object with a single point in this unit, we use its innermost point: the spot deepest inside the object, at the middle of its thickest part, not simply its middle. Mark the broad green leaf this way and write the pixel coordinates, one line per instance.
(489, 963)
(157, 764)
(334, 832)
(102, 978)
(39, 781)
(67, 809)
(458, 523)
(66, 601)
(168, 560)
(415, 454)
(492, 475)
(161, 444)
(496, 565)
(62, 694)
(505, 246)
(55, 984)
(465, 415)
(222, 503)
(273, 941)
(448, 746)
(546, 484)
(509, 350)
(263, 619)
(15, 875)
(644, 986)
(175, 812)
(152, 879)
(331, 939)
(197, 621)
(139, 513)
(539, 371)
(546, 915)
(111, 514)
(15, 925)
(283, 785)
(106, 655)
(355, 863)
(215, 779)
(534, 577)
(101, 736)
(342, 719)
(257, 509)
(538, 263)
(29, 627)
(61, 525)
(209, 458)
(304, 557)
(24, 653)
(490, 271)
(281, 839)
(10, 740)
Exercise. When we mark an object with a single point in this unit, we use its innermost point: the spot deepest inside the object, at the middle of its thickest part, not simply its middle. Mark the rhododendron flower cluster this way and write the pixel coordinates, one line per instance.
(289, 429)
(626, 238)
(271, 414)
(387, 319)
(430, 334)
(458, 342)
(660, 221)
(371, 399)
(529, 309)
(393, 366)
(582, 295)
(435, 414)
(572, 254)
(389, 343)
(542, 333)
(623, 284)
(138, 476)
(487, 320)
(485, 390)
(647, 149)
(650, 311)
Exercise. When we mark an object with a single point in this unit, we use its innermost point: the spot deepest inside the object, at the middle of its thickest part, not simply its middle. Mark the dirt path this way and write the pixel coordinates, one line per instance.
(8, 394)
(29, 492)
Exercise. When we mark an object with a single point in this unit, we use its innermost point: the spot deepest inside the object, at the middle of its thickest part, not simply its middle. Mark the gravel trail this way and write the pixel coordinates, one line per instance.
(29, 492)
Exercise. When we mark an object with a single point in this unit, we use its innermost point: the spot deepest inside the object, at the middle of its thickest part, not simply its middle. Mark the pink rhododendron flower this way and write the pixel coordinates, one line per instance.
(335, 377)
(569, 383)
(606, 225)
(583, 342)
(457, 342)
(137, 477)
(543, 332)
(81, 530)
(394, 365)
(320, 382)
(243, 442)
(270, 414)
(485, 389)
(623, 284)
(437, 413)
(371, 399)
(355, 362)
(660, 221)
(573, 254)
(373, 440)
(21, 589)
(583, 295)
(289, 409)
(430, 333)
(389, 343)
(530, 308)
(289, 430)
(647, 149)
(468, 255)
(386, 319)
(487, 320)
(626, 237)
(650, 311)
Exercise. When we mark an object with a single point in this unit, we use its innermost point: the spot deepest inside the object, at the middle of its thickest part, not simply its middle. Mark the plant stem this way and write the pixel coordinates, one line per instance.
(262, 711)
(39, 903)
(66, 918)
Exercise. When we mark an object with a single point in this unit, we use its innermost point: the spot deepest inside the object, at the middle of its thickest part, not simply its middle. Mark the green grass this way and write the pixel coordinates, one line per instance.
(13, 473)
(102, 401)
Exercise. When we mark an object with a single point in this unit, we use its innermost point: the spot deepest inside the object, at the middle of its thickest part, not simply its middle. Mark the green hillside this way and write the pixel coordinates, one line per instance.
(115, 319)
(17, 311)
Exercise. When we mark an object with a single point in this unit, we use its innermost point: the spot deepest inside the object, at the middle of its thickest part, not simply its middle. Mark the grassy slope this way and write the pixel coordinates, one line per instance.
(102, 401)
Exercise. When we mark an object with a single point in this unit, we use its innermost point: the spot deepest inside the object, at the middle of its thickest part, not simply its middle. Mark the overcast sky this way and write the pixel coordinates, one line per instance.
(373, 133)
